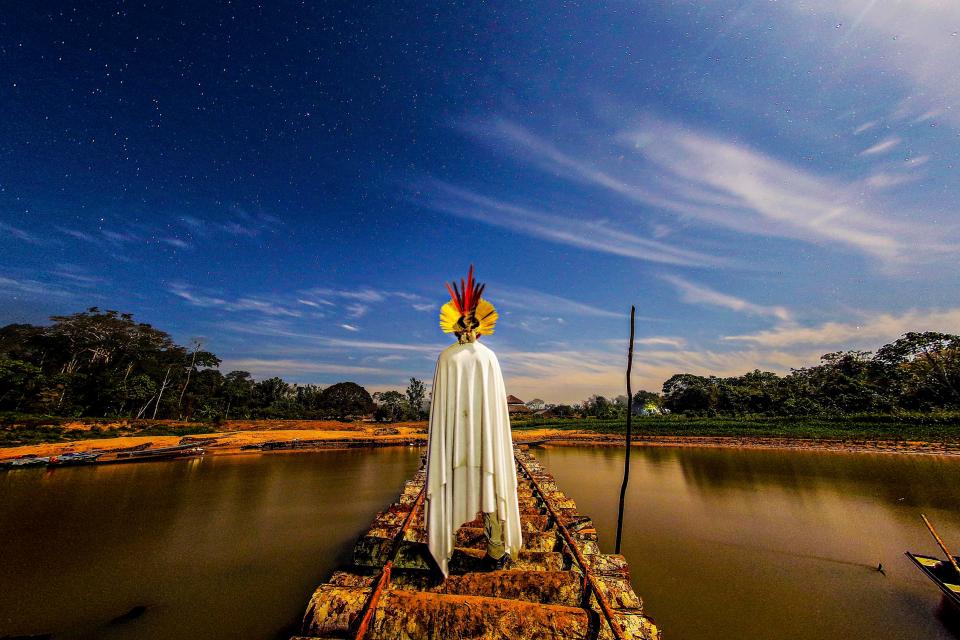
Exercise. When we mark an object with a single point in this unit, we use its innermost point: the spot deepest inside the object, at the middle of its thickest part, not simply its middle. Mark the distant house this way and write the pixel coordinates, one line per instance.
(516, 406)
(545, 413)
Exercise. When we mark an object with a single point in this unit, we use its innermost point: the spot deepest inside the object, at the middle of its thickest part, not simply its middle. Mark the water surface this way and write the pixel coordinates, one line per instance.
(218, 547)
(722, 543)
(736, 543)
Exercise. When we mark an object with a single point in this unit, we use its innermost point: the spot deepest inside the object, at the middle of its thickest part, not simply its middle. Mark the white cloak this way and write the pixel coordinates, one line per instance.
(470, 465)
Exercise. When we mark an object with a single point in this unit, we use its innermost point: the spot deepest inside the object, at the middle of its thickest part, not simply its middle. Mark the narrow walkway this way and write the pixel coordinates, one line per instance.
(560, 587)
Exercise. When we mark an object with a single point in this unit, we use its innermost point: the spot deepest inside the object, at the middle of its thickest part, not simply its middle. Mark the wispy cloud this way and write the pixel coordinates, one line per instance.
(697, 176)
(910, 41)
(869, 330)
(662, 341)
(77, 275)
(278, 328)
(881, 147)
(357, 310)
(267, 367)
(584, 232)
(176, 242)
(540, 302)
(77, 234)
(700, 294)
(18, 234)
(32, 287)
(118, 237)
(265, 307)
(349, 327)
(574, 375)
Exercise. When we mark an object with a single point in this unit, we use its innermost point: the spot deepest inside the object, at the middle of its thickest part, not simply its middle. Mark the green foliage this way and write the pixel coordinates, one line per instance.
(346, 399)
(925, 427)
(105, 364)
(416, 393)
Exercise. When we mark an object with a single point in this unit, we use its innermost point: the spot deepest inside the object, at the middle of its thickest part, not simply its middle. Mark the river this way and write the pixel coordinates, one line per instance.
(722, 543)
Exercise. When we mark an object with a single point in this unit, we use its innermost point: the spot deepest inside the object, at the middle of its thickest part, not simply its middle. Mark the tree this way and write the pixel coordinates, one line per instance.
(346, 399)
(688, 393)
(238, 388)
(391, 406)
(927, 367)
(536, 404)
(416, 392)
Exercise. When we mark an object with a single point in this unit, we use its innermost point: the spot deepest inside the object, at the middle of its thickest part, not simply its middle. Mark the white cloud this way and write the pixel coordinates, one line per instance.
(884, 180)
(19, 234)
(266, 367)
(32, 287)
(75, 233)
(540, 302)
(176, 242)
(881, 147)
(662, 341)
(696, 176)
(357, 310)
(869, 332)
(242, 304)
(349, 327)
(700, 294)
(914, 41)
(767, 196)
(585, 232)
(573, 375)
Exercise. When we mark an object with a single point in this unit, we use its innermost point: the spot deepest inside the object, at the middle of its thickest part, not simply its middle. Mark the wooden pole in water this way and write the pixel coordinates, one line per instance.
(940, 542)
(626, 459)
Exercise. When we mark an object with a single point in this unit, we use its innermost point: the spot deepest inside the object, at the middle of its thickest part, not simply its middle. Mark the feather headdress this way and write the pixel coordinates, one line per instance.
(467, 310)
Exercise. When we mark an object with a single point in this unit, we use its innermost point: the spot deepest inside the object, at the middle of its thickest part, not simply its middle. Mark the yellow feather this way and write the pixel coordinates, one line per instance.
(449, 316)
(486, 314)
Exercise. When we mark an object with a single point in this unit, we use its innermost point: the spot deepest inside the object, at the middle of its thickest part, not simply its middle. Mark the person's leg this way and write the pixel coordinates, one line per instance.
(493, 529)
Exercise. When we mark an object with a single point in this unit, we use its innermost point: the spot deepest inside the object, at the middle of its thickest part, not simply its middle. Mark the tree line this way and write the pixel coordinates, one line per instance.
(920, 371)
(105, 364)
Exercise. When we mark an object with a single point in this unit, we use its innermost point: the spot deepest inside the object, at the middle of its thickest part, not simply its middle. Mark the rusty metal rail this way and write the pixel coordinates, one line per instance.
(383, 580)
(590, 582)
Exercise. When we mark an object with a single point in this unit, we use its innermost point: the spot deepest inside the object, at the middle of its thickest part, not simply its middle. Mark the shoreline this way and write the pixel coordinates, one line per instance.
(238, 442)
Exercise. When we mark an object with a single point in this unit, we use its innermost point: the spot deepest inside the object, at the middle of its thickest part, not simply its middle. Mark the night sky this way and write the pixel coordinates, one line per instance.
(293, 182)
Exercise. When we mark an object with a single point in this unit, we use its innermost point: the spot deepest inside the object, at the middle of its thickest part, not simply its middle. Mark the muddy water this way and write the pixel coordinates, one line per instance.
(722, 543)
(726, 543)
(220, 547)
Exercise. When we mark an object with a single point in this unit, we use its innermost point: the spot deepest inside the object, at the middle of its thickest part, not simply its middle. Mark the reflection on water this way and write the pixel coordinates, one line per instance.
(728, 543)
(218, 547)
(722, 543)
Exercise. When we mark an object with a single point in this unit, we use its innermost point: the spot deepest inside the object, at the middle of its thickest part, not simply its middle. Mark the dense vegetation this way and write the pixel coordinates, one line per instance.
(917, 373)
(105, 364)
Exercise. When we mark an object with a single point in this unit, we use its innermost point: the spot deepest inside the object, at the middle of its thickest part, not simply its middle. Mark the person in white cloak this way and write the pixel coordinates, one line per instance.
(470, 467)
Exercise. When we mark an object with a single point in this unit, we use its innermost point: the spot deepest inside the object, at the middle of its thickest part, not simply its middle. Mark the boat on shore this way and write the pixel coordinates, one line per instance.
(26, 461)
(74, 458)
(941, 573)
(177, 451)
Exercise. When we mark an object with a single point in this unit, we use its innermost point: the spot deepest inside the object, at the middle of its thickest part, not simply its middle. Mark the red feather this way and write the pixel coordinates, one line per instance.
(453, 297)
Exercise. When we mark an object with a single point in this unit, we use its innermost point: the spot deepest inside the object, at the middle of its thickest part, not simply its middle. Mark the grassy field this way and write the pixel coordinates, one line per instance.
(19, 429)
(942, 427)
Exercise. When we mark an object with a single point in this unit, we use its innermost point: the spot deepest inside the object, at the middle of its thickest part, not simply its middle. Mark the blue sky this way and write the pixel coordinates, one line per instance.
(767, 182)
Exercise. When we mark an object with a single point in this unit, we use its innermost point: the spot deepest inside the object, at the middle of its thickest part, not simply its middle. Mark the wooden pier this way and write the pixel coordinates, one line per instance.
(561, 586)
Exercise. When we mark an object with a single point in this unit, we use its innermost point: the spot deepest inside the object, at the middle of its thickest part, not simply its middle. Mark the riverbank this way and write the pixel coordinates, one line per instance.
(248, 436)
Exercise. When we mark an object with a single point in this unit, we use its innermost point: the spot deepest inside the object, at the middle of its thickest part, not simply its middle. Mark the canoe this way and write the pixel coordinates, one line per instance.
(941, 573)
(177, 451)
(78, 458)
